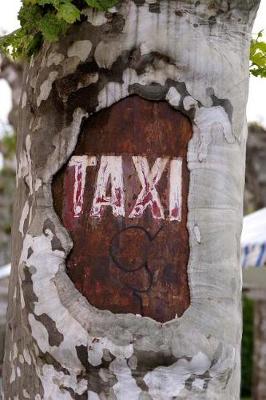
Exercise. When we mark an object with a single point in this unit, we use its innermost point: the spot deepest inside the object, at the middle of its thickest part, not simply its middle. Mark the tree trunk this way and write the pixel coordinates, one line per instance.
(132, 312)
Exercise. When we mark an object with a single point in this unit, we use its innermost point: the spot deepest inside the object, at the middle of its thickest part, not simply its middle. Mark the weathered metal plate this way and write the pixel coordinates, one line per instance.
(123, 199)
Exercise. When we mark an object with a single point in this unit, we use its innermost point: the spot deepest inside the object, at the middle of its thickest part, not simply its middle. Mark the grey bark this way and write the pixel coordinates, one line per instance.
(195, 56)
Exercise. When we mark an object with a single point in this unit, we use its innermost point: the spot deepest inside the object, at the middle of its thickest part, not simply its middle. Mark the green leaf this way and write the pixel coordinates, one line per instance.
(28, 16)
(54, 3)
(34, 44)
(260, 34)
(30, 2)
(101, 4)
(69, 13)
(258, 72)
(20, 45)
(259, 59)
(258, 56)
(49, 19)
(261, 46)
(52, 27)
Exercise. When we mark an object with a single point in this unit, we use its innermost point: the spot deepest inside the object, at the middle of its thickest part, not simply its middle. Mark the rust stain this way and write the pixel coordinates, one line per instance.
(118, 198)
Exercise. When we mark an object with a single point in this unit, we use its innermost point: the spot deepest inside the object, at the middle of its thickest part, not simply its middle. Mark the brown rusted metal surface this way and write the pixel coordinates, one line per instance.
(119, 197)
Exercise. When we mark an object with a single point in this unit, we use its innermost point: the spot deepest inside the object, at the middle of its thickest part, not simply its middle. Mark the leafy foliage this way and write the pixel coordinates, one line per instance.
(47, 20)
(8, 145)
(247, 347)
(101, 4)
(258, 56)
(42, 20)
(51, 27)
(7, 190)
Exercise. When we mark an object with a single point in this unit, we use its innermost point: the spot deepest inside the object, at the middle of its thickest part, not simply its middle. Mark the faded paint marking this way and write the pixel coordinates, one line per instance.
(110, 175)
(148, 195)
(110, 169)
(80, 164)
(175, 192)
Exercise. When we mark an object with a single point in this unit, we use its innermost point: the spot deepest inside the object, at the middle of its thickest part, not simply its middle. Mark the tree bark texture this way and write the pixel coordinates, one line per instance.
(194, 56)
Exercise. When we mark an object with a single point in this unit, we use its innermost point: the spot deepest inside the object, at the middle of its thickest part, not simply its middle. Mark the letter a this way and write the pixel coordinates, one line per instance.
(110, 170)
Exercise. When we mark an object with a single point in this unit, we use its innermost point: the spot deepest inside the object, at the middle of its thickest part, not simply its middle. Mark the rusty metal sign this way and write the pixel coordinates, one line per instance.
(123, 199)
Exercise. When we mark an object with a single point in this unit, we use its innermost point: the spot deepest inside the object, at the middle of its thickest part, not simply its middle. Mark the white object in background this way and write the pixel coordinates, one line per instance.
(253, 240)
(5, 271)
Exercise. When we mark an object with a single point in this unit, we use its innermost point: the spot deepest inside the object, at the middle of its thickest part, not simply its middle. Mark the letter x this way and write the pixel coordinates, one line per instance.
(148, 179)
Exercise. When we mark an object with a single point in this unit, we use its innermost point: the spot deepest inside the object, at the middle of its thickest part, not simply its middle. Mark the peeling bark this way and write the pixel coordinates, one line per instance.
(194, 55)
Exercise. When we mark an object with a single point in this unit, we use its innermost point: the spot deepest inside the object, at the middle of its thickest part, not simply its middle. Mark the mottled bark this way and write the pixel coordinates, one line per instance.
(194, 55)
